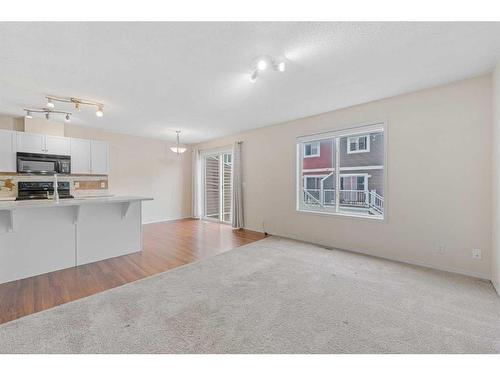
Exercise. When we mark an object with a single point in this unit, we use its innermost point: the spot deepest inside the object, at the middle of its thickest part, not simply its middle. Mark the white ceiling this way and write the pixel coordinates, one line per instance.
(155, 78)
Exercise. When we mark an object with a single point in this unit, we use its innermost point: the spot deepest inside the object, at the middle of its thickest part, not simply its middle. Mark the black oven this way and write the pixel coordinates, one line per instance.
(43, 164)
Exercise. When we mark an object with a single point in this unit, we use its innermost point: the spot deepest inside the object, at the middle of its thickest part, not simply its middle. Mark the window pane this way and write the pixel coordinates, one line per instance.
(307, 150)
(362, 143)
(317, 187)
(364, 196)
(352, 145)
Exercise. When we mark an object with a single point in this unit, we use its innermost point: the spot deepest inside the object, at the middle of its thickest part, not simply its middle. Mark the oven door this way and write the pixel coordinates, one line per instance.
(36, 165)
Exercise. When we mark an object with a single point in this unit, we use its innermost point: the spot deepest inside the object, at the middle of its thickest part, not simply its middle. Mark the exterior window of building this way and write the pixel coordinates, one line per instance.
(358, 144)
(311, 149)
(345, 179)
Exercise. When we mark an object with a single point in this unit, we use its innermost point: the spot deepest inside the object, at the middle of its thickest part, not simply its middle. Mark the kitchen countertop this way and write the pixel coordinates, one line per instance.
(47, 203)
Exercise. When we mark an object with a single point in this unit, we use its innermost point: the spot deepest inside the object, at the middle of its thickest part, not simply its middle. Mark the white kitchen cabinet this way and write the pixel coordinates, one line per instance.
(42, 144)
(31, 142)
(57, 145)
(80, 156)
(7, 151)
(99, 157)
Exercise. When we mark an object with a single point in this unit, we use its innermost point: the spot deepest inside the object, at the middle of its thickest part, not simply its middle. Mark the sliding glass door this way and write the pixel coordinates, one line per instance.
(217, 186)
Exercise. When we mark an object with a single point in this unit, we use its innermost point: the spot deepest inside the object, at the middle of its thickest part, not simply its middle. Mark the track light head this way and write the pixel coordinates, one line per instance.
(262, 64)
(67, 118)
(28, 115)
(253, 76)
(47, 115)
(99, 112)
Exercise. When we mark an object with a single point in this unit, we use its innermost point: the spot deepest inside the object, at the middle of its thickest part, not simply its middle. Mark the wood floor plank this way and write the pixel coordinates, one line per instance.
(167, 245)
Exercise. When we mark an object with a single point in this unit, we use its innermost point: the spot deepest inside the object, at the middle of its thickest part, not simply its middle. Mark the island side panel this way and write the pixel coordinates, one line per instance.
(102, 232)
(43, 241)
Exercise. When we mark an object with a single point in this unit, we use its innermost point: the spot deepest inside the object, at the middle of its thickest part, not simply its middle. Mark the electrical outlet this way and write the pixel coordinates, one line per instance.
(103, 185)
(476, 254)
(77, 185)
(441, 249)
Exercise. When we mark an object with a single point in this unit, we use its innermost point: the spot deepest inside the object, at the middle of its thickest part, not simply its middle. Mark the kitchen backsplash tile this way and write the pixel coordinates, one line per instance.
(80, 185)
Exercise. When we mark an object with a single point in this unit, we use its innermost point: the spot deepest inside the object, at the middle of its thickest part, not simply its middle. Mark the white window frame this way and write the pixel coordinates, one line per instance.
(357, 137)
(361, 129)
(318, 148)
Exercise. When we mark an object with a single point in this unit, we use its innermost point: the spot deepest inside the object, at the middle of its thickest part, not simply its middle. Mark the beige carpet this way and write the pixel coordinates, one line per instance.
(274, 296)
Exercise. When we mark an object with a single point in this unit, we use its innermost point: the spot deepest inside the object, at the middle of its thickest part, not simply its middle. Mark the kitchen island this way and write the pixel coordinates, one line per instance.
(40, 236)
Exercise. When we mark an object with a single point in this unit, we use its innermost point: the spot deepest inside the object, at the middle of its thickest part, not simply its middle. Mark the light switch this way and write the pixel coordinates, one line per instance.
(103, 185)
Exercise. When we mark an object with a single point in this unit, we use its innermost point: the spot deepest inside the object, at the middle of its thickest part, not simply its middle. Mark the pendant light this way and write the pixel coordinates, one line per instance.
(177, 149)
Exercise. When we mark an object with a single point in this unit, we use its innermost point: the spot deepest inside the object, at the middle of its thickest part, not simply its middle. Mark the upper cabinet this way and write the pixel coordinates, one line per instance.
(57, 145)
(30, 142)
(43, 144)
(7, 151)
(99, 157)
(87, 156)
(80, 156)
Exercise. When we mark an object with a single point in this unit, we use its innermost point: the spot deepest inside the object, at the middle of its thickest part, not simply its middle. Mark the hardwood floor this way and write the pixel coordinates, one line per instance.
(166, 245)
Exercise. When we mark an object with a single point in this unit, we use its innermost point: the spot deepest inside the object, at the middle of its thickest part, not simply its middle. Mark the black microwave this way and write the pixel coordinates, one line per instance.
(43, 164)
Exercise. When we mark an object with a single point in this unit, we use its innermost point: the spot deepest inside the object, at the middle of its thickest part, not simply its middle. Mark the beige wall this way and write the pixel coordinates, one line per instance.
(146, 167)
(495, 264)
(439, 180)
(139, 166)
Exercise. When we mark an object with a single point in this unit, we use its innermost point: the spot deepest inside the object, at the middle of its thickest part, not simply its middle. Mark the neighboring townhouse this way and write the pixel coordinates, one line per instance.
(361, 172)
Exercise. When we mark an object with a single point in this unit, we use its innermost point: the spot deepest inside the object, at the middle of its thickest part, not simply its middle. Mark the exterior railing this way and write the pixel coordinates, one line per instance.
(351, 198)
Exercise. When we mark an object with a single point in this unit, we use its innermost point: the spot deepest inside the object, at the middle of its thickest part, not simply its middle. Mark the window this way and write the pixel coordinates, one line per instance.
(217, 186)
(340, 183)
(358, 144)
(311, 149)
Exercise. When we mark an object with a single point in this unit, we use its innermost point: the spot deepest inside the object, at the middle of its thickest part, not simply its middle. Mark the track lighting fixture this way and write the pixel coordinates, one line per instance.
(263, 63)
(77, 102)
(178, 149)
(47, 112)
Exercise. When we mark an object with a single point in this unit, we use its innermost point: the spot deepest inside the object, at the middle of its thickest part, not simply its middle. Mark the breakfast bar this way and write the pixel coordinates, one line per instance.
(39, 236)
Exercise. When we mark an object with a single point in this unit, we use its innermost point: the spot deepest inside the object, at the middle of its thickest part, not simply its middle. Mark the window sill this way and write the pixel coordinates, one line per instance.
(357, 152)
(376, 219)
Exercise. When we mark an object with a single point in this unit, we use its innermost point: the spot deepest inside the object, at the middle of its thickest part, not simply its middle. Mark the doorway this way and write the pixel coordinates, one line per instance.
(217, 170)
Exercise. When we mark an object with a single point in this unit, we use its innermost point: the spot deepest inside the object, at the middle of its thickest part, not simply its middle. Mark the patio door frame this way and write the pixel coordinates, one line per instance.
(220, 153)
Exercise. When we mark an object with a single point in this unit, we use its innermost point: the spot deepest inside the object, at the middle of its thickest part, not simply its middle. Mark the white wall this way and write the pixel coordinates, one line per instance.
(439, 178)
(495, 263)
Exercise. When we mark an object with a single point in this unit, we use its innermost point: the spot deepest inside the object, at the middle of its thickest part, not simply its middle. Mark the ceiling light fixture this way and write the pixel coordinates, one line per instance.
(77, 102)
(178, 149)
(263, 63)
(47, 112)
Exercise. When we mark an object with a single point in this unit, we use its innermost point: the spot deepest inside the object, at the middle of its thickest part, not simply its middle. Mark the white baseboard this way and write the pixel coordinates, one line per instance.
(479, 275)
(167, 219)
